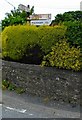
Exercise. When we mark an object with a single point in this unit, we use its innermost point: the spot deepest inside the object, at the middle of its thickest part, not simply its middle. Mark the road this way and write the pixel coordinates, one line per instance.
(21, 106)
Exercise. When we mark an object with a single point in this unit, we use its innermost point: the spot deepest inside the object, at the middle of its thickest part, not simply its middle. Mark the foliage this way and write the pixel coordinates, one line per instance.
(10, 86)
(74, 33)
(29, 44)
(20, 90)
(7, 85)
(0, 42)
(73, 21)
(0, 27)
(20, 43)
(16, 17)
(49, 36)
(16, 39)
(64, 56)
(0, 45)
(67, 16)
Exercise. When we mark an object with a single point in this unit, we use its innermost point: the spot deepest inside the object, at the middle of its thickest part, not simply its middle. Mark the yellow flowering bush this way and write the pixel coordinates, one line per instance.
(64, 56)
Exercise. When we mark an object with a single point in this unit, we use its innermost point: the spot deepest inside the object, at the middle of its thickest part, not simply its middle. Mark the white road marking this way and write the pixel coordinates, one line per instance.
(30, 114)
(17, 110)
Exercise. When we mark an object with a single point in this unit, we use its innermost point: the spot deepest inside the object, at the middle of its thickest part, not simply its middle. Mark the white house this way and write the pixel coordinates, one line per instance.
(81, 6)
(40, 19)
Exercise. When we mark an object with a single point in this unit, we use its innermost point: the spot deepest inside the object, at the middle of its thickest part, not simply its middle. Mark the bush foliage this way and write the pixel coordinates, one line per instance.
(0, 42)
(18, 42)
(49, 36)
(74, 33)
(67, 16)
(21, 42)
(29, 44)
(64, 56)
(16, 17)
(73, 21)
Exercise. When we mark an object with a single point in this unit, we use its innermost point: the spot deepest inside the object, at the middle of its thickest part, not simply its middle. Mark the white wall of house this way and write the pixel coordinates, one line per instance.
(81, 6)
(41, 22)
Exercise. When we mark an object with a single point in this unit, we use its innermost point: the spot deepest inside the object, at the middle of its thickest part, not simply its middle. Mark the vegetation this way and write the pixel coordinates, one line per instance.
(73, 21)
(16, 17)
(0, 41)
(10, 86)
(64, 56)
(67, 16)
(74, 33)
(57, 45)
(7, 85)
(0, 26)
(30, 43)
(49, 36)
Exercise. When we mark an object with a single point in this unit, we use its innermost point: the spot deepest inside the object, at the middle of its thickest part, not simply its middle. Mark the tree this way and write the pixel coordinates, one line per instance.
(16, 17)
(67, 16)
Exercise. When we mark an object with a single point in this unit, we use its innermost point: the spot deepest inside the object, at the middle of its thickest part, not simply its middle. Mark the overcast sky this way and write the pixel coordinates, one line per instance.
(41, 6)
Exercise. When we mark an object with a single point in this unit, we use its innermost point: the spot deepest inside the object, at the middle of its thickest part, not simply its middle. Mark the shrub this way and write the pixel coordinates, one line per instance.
(64, 56)
(49, 36)
(29, 44)
(0, 42)
(0, 45)
(17, 39)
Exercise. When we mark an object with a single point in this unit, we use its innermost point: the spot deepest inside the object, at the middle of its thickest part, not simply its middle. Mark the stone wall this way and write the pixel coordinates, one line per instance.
(56, 84)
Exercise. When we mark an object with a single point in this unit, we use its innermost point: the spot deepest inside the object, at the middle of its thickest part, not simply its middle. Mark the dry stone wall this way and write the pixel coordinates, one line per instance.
(56, 84)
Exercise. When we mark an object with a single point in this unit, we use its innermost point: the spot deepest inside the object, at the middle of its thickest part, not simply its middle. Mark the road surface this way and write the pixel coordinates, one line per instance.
(21, 106)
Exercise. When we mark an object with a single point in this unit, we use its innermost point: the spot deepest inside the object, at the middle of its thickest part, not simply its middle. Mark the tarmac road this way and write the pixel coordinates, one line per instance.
(21, 106)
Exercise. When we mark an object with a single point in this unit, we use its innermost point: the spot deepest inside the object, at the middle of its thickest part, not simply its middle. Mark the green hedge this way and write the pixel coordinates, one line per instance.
(64, 56)
(0, 45)
(49, 36)
(30, 43)
(0, 41)
(16, 39)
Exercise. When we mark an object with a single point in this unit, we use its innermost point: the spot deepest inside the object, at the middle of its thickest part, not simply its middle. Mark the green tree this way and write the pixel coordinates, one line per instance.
(74, 33)
(67, 16)
(73, 21)
(16, 17)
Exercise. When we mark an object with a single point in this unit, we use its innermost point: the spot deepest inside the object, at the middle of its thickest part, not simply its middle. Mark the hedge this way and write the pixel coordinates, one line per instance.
(0, 45)
(16, 39)
(30, 43)
(0, 42)
(49, 36)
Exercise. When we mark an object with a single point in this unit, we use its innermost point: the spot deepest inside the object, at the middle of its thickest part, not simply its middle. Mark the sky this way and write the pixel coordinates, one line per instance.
(41, 6)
